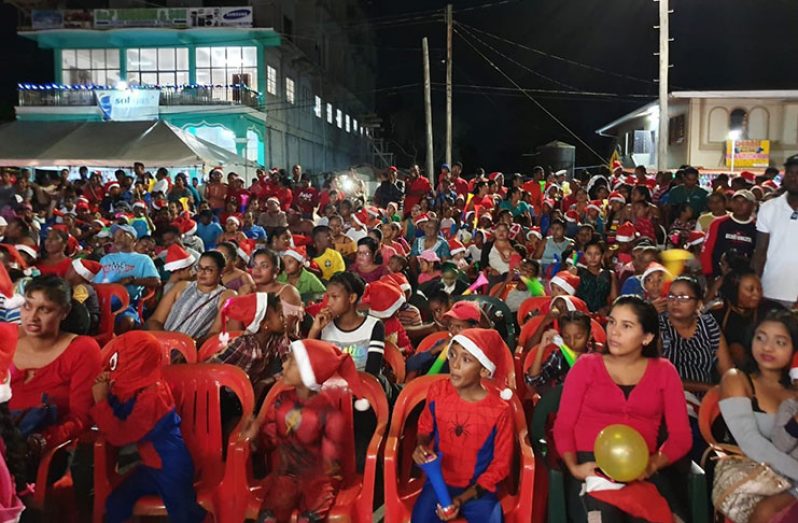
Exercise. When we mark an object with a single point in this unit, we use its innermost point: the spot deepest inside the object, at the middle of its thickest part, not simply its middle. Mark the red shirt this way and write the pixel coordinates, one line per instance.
(57, 269)
(535, 195)
(285, 196)
(66, 381)
(416, 190)
(460, 186)
(462, 429)
(592, 401)
(307, 199)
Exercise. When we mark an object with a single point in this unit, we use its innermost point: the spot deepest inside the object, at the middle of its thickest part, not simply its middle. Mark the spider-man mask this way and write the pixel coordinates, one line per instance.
(134, 362)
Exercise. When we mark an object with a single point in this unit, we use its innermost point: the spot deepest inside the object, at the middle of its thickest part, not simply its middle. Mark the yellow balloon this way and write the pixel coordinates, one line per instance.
(621, 453)
(674, 260)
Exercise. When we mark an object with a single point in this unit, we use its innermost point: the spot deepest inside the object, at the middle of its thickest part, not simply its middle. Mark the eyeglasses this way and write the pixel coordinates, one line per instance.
(681, 298)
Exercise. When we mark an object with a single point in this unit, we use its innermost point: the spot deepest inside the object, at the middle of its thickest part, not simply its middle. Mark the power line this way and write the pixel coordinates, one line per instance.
(542, 108)
(485, 6)
(597, 94)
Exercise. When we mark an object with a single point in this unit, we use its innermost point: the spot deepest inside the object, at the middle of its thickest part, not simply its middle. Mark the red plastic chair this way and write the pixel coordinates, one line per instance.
(355, 499)
(393, 357)
(401, 493)
(105, 293)
(430, 340)
(146, 299)
(535, 303)
(196, 389)
(170, 341)
(211, 346)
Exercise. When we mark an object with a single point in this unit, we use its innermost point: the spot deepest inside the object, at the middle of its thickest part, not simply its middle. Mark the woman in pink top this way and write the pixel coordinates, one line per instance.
(629, 385)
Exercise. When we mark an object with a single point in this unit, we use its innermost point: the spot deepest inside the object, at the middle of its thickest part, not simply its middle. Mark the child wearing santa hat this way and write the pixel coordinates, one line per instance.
(134, 405)
(385, 298)
(305, 433)
(468, 424)
(79, 276)
(295, 259)
(550, 366)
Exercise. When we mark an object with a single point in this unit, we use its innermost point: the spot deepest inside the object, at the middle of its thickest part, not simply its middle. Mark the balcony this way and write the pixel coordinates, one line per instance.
(52, 95)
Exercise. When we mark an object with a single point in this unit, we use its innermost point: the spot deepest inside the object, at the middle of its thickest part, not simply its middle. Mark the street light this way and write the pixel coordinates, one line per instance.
(734, 135)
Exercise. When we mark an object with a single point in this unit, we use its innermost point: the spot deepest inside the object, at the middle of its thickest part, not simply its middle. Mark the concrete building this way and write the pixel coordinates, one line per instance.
(705, 126)
(278, 82)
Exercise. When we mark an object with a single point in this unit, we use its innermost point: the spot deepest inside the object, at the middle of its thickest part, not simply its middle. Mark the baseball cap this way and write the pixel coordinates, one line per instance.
(464, 311)
(745, 193)
(127, 228)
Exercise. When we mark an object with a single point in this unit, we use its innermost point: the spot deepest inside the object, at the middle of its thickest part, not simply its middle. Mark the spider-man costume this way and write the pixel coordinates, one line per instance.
(306, 437)
(475, 443)
(140, 409)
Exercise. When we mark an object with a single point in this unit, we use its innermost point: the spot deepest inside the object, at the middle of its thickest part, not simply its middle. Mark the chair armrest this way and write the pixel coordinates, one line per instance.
(105, 476)
(234, 494)
(697, 493)
(42, 472)
(370, 468)
(558, 509)
(389, 469)
(526, 484)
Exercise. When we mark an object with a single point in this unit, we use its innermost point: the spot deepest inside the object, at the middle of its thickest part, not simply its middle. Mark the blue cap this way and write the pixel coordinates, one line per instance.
(127, 228)
(446, 166)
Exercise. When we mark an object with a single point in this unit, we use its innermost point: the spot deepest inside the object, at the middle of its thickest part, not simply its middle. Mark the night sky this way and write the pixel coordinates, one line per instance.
(734, 44)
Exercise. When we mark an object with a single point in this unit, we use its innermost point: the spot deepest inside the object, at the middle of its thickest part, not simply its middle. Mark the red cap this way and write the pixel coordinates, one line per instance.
(626, 232)
(464, 311)
(456, 246)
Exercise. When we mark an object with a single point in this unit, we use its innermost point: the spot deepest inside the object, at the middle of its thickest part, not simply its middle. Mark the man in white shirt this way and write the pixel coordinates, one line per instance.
(777, 232)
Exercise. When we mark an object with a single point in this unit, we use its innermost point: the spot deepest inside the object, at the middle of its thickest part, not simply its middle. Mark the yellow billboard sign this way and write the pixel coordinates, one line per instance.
(748, 153)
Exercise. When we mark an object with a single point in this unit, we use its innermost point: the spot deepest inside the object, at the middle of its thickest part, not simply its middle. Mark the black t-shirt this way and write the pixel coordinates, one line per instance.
(739, 328)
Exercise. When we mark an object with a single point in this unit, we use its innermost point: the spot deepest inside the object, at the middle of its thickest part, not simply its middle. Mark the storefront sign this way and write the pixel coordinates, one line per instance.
(748, 153)
(129, 105)
(178, 17)
(64, 19)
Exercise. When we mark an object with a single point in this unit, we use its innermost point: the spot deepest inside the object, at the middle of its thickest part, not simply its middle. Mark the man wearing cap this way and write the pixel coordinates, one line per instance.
(777, 230)
(133, 270)
(735, 231)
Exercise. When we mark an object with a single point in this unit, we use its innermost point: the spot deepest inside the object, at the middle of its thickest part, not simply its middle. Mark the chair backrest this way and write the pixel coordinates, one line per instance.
(597, 332)
(431, 339)
(530, 356)
(105, 294)
(528, 329)
(393, 357)
(197, 391)
(549, 404)
(177, 341)
(498, 312)
(534, 303)
(211, 346)
(377, 402)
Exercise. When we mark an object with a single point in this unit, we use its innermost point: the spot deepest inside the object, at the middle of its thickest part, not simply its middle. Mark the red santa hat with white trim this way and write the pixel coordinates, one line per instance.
(534, 231)
(794, 368)
(399, 279)
(27, 249)
(384, 298)
(615, 196)
(595, 205)
(250, 310)
(299, 253)
(572, 217)
(318, 361)
(567, 281)
(245, 248)
(488, 347)
(694, 238)
(178, 258)
(626, 233)
(9, 335)
(87, 269)
(421, 218)
(456, 246)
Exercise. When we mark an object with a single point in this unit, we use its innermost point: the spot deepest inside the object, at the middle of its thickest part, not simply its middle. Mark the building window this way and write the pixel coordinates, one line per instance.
(339, 118)
(317, 107)
(227, 67)
(289, 91)
(157, 66)
(271, 80)
(348, 123)
(738, 120)
(354, 124)
(329, 113)
(90, 66)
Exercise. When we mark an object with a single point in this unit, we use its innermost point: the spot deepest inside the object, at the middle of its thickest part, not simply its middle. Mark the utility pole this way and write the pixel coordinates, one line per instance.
(449, 30)
(664, 37)
(428, 112)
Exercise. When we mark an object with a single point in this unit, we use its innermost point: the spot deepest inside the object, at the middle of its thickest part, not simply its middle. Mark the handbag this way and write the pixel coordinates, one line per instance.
(741, 483)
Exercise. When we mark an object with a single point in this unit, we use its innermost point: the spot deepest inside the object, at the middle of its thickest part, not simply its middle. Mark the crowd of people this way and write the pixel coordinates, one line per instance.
(293, 282)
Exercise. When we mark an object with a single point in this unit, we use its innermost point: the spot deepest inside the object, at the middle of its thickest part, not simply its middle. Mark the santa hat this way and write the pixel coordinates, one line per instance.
(159, 203)
(384, 298)
(30, 251)
(318, 361)
(399, 279)
(695, 238)
(245, 248)
(249, 310)
(177, 258)
(626, 232)
(616, 165)
(133, 362)
(748, 176)
(140, 204)
(566, 281)
(16, 258)
(794, 368)
(82, 200)
(572, 217)
(87, 269)
(112, 185)
(456, 247)
(572, 303)
(615, 196)
(596, 205)
(187, 226)
(488, 347)
(652, 268)
(233, 218)
(534, 231)
(300, 254)
(273, 199)
(770, 185)
(421, 218)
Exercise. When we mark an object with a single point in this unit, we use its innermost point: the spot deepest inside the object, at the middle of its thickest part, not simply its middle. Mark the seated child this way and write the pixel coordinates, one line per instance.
(305, 432)
(134, 405)
(469, 426)
(384, 298)
(574, 332)
(428, 267)
(80, 276)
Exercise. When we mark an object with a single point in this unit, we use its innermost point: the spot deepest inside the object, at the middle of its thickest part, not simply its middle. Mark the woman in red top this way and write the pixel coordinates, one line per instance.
(55, 261)
(53, 371)
(631, 385)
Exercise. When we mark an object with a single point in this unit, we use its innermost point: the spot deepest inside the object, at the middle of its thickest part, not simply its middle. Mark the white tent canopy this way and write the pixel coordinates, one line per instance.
(110, 144)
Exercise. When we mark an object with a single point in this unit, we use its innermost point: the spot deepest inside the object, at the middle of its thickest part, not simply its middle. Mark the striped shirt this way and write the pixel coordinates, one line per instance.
(695, 358)
(365, 344)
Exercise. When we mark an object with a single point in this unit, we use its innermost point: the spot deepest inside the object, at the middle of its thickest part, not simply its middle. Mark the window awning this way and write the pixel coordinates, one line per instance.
(152, 37)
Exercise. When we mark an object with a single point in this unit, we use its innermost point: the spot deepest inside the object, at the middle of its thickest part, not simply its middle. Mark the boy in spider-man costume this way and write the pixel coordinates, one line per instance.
(133, 405)
(469, 426)
(306, 432)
